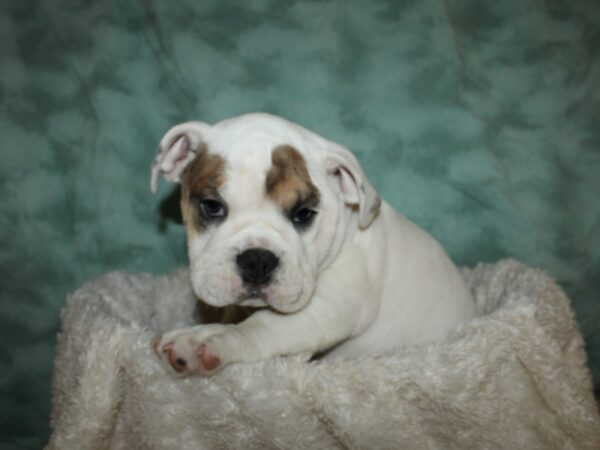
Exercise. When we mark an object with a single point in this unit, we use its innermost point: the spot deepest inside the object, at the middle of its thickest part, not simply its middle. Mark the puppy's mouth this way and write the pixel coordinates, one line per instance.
(253, 296)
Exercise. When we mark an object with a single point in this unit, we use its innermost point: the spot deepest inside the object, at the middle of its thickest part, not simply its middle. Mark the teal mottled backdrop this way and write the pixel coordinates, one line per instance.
(479, 120)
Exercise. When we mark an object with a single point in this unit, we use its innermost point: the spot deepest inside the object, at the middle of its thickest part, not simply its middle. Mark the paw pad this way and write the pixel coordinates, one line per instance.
(208, 360)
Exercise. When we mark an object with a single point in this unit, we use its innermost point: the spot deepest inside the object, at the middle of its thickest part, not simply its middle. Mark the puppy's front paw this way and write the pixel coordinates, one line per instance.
(189, 350)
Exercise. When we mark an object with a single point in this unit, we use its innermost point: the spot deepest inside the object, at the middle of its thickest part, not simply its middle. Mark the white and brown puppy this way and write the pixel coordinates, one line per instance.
(282, 219)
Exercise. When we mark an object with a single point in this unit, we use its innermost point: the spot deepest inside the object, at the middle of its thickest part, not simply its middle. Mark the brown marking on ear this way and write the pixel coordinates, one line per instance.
(288, 181)
(202, 178)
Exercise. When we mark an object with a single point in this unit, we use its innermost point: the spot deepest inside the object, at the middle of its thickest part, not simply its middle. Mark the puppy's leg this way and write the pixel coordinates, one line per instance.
(341, 308)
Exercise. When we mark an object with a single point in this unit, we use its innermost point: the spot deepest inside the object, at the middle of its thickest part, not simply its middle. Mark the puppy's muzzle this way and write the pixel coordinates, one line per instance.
(256, 265)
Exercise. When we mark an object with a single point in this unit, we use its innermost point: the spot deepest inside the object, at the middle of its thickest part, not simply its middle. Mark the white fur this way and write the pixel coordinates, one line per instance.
(363, 278)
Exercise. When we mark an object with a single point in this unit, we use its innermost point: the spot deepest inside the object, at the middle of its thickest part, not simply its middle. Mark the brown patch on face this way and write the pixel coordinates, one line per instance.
(288, 182)
(200, 180)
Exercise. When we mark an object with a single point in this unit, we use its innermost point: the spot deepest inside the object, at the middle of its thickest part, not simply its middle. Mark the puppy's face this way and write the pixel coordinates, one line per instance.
(263, 211)
(252, 224)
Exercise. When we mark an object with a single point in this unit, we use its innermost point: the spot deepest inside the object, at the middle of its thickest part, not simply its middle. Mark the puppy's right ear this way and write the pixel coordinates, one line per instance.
(176, 150)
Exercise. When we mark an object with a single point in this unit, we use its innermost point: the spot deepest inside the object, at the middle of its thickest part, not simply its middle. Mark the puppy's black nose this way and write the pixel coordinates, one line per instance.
(256, 265)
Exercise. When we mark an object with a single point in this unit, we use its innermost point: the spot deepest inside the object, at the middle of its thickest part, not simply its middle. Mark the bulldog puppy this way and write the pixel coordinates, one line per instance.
(283, 220)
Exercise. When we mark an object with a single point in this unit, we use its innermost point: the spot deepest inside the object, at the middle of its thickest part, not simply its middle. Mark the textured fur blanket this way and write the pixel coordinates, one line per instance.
(515, 377)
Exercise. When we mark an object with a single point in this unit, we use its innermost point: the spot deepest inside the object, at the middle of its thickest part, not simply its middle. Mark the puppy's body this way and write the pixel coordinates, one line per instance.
(421, 294)
(281, 219)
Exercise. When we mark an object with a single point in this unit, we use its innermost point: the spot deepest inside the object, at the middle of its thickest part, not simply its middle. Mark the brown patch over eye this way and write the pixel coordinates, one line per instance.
(200, 180)
(288, 183)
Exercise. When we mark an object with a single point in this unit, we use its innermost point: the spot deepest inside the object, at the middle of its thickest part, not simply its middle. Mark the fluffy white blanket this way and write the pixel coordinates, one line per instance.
(514, 378)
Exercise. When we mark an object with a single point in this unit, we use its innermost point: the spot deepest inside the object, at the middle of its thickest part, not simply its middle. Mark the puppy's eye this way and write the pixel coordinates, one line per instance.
(302, 217)
(212, 209)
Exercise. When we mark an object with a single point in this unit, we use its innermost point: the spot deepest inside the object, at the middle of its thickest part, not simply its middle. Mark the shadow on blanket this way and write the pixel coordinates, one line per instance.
(515, 377)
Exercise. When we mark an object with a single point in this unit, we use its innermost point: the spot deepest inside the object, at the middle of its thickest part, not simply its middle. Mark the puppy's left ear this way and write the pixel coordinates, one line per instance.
(353, 183)
(176, 150)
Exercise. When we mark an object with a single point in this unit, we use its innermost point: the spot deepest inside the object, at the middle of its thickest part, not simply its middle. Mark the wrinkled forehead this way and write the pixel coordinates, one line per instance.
(256, 155)
(246, 169)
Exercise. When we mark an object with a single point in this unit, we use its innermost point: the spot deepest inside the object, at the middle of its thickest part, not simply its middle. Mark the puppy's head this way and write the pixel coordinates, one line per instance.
(267, 205)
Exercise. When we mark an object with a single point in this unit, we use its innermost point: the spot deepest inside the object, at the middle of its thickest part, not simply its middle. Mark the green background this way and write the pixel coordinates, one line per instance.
(479, 120)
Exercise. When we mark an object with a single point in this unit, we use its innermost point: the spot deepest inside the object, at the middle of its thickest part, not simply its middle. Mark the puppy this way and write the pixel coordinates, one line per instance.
(284, 221)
